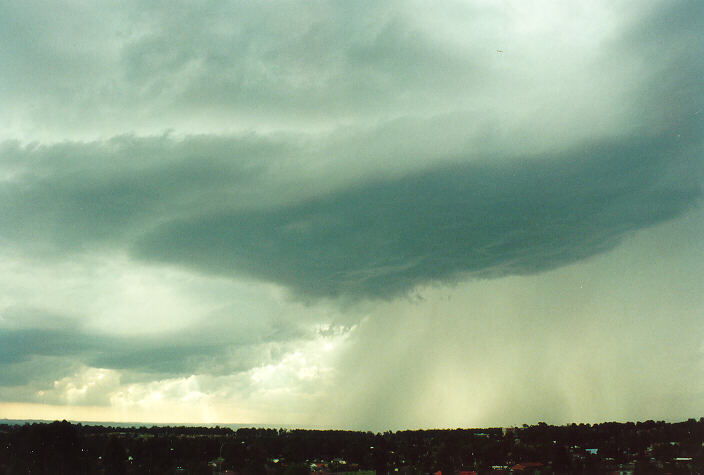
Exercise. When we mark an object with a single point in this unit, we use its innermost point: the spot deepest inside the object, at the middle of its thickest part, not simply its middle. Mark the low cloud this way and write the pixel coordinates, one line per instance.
(211, 204)
(384, 238)
(36, 360)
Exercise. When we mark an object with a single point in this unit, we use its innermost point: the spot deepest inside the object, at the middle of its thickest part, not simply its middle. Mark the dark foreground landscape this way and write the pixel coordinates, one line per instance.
(623, 448)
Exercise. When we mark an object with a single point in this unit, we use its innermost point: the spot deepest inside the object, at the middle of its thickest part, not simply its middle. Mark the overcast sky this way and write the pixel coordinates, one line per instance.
(363, 215)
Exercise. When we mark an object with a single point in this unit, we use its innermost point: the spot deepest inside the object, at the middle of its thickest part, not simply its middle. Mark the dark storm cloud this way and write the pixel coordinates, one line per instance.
(73, 195)
(669, 42)
(216, 346)
(219, 347)
(38, 371)
(39, 356)
(489, 217)
(20, 344)
(218, 205)
(26, 333)
(384, 238)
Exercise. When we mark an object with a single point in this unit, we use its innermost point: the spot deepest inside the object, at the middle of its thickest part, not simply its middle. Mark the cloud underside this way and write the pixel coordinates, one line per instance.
(77, 366)
(382, 239)
(376, 238)
(536, 174)
(156, 356)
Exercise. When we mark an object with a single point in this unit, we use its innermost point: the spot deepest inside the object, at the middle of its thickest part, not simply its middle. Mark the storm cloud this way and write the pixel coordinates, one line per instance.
(210, 203)
(247, 207)
(384, 238)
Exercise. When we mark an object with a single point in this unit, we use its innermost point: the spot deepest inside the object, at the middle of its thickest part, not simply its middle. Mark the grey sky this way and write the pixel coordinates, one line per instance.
(373, 215)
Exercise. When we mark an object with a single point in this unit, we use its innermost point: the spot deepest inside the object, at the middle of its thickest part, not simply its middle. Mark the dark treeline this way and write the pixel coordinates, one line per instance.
(65, 448)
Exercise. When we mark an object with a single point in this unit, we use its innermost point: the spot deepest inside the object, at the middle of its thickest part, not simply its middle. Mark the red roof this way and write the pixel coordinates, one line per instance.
(525, 465)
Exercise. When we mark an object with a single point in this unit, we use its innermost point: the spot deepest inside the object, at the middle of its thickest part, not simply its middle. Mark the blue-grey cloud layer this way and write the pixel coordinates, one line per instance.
(226, 205)
(203, 202)
(224, 345)
(384, 238)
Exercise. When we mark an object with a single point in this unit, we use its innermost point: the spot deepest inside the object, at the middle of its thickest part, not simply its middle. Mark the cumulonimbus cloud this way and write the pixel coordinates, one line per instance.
(383, 238)
(217, 205)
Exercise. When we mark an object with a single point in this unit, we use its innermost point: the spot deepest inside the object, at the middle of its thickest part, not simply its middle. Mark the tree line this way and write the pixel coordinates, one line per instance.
(64, 448)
